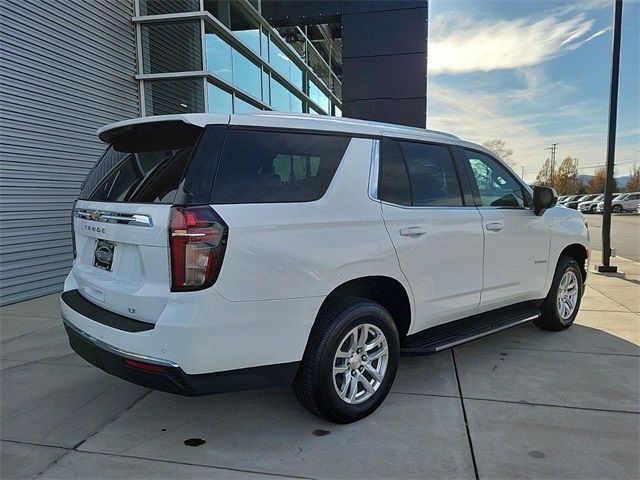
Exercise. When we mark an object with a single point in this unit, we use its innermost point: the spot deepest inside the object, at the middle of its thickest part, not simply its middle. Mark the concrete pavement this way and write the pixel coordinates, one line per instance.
(625, 234)
(518, 404)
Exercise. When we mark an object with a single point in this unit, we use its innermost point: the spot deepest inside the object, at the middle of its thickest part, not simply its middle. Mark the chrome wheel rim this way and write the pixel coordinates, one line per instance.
(567, 294)
(360, 363)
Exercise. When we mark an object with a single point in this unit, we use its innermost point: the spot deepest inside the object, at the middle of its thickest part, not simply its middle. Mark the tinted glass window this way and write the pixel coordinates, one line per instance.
(171, 47)
(496, 186)
(393, 179)
(418, 174)
(142, 166)
(433, 177)
(269, 166)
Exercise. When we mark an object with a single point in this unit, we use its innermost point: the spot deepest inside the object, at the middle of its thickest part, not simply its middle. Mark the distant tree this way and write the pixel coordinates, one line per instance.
(597, 182)
(566, 180)
(498, 147)
(544, 175)
(633, 185)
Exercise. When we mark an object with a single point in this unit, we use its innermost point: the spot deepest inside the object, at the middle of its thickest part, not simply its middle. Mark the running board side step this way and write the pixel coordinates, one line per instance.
(451, 334)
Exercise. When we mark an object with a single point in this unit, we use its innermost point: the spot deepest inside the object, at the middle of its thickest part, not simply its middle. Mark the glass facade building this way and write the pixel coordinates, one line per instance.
(223, 56)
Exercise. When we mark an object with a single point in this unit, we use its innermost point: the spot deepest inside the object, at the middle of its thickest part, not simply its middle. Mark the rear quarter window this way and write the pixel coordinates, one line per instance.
(262, 166)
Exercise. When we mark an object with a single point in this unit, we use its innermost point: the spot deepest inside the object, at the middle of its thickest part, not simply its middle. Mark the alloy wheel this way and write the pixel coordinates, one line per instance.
(360, 363)
(567, 294)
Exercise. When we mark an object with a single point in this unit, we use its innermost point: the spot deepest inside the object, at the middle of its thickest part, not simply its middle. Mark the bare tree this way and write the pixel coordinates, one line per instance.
(498, 147)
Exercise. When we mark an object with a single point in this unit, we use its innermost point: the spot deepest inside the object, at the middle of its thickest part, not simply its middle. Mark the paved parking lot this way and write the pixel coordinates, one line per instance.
(520, 404)
(625, 234)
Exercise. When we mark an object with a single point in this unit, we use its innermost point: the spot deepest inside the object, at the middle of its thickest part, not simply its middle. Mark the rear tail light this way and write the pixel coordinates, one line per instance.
(197, 237)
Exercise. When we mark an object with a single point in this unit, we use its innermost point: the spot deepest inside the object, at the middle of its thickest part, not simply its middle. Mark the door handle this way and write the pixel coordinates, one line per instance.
(412, 231)
(494, 226)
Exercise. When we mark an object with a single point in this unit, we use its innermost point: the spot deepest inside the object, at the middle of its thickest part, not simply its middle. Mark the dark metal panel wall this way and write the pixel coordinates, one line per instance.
(384, 52)
(384, 56)
(68, 67)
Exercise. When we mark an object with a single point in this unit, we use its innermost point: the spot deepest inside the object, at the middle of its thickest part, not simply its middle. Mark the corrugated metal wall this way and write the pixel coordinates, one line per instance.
(67, 67)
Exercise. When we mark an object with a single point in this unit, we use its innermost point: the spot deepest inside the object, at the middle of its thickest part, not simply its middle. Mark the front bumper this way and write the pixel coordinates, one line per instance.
(166, 375)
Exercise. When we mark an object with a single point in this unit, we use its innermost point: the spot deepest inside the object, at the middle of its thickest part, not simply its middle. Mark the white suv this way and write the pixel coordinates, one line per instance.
(590, 205)
(628, 203)
(219, 252)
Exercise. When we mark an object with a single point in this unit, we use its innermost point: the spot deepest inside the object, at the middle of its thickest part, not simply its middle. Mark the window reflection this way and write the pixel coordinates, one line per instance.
(164, 97)
(220, 101)
(218, 56)
(171, 47)
(266, 97)
(175, 46)
(240, 106)
(231, 65)
(319, 97)
(245, 28)
(246, 74)
(284, 65)
(283, 99)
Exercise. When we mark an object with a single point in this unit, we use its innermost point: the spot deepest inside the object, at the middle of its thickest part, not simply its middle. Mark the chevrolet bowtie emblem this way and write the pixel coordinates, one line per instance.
(95, 216)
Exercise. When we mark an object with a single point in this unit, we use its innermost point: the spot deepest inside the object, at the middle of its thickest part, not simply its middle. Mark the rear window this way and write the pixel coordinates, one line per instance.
(259, 166)
(144, 164)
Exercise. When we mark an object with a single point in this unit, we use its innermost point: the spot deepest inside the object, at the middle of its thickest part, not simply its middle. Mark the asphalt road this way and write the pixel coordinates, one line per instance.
(625, 235)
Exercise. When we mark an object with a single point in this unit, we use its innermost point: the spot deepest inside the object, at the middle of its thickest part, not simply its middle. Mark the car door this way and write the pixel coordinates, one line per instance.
(630, 203)
(516, 247)
(438, 239)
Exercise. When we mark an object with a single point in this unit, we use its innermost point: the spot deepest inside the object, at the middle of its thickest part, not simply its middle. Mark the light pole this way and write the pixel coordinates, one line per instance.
(611, 142)
(553, 161)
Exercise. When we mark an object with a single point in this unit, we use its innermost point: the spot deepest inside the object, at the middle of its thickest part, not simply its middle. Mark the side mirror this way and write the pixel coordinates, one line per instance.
(543, 198)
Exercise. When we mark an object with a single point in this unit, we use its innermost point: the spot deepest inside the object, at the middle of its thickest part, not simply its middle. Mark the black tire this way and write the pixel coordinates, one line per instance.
(314, 382)
(551, 318)
(592, 209)
(617, 208)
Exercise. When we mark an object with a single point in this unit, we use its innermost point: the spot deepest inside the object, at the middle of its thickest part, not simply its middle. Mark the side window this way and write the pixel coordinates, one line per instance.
(418, 174)
(393, 179)
(496, 186)
(263, 166)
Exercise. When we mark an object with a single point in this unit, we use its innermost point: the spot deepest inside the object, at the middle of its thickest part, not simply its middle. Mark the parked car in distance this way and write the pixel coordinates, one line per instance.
(600, 206)
(221, 252)
(589, 206)
(582, 198)
(628, 203)
(567, 198)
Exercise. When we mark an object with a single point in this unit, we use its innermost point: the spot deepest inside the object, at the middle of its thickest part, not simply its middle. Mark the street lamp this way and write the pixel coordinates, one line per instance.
(611, 142)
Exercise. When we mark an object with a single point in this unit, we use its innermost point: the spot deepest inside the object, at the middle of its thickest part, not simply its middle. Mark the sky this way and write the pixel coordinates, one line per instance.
(533, 73)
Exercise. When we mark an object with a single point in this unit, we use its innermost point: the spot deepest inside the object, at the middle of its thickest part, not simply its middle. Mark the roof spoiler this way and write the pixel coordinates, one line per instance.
(109, 133)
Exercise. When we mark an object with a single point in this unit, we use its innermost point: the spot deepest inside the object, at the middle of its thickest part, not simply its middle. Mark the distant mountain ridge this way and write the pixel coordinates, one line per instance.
(621, 182)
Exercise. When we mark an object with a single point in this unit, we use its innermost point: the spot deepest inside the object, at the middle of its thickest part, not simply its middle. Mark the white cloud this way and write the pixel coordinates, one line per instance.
(595, 35)
(469, 45)
(479, 115)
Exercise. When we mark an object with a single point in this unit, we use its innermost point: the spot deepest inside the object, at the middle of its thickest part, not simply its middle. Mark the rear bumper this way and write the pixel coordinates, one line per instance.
(98, 335)
(170, 377)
